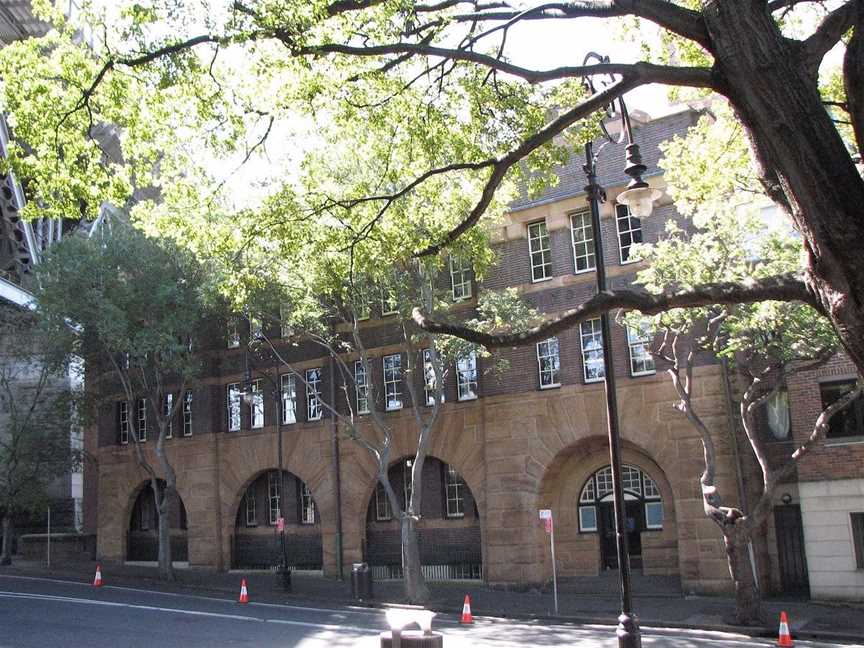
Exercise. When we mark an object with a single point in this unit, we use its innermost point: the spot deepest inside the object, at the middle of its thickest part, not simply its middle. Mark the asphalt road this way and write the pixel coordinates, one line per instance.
(42, 613)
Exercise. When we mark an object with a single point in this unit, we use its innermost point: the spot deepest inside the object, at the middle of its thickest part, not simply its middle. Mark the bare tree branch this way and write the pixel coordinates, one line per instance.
(779, 288)
(832, 28)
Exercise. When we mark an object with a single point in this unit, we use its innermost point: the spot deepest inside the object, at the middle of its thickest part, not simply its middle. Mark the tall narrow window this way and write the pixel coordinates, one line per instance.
(629, 232)
(455, 487)
(123, 421)
(389, 303)
(639, 343)
(592, 350)
(251, 514)
(256, 328)
(233, 334)
(314, 409)
(548, 363)
(288, 390)
(848, 422)
(407, 484)
(466, 376)
(256, 409)
(857, 520)
(361, 387)
(582, 236)
(460, 278)
(541, 253)
(142, 419)
(429, 379)
(393, 381)
(168, 404)
(274, 510)
(187, 413)
(307, 505)
(233, 402)
(383, 510)
(285, 330)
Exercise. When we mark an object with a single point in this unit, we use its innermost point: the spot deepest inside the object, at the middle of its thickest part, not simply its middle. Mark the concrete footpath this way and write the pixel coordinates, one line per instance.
(656, 604)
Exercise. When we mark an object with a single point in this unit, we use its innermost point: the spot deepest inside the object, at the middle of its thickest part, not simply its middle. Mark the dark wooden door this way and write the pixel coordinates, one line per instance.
(790, 549)
(634, 523)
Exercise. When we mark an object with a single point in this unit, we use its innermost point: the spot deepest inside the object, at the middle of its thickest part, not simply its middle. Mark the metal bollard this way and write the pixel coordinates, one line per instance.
(361, 582)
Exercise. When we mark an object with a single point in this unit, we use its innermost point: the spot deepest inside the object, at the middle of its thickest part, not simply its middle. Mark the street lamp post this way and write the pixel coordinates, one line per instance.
(639, 197)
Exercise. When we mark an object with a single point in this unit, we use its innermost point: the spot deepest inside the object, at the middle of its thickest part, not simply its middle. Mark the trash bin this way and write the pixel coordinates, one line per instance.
(361, 582)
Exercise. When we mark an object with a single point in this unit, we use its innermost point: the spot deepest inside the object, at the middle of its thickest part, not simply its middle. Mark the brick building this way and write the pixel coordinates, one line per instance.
(505, 445)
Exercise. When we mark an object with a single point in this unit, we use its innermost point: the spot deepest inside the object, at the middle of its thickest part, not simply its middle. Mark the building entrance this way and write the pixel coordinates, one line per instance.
(634, 524)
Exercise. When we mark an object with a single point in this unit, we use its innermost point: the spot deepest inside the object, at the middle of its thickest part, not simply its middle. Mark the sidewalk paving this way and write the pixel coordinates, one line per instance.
(656, 602)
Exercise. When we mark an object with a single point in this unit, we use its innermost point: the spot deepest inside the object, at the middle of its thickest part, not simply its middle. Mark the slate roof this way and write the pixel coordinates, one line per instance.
(610, 164)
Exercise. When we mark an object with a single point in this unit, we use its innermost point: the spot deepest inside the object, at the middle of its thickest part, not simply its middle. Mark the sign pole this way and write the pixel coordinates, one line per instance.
(49, 537)
(554, 566)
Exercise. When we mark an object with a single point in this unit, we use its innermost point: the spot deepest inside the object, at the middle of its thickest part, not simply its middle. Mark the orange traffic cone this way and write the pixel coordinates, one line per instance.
(97, 582)
(466, 611)
(244, 595)
(785, 639)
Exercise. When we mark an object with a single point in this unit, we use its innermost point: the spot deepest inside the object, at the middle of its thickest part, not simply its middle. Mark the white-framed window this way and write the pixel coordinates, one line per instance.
(142, 419)
(233, 406)
(629, 232)
(251, 513)
(256, 408)
(307, 505)
(123, 421)
(591, 335)
(274, 510)
(541, 253)
(407, 484)
(361, 387)
(637, 486)
(639, 343)
(383, 510)
(167, 404)
(256, 328)
(233, 334)
(460, 278)
(582, 237)
(314, 409)
(549, 363)
(288, 390)
(429, 379)
(466, 376)
(187, 413)
(454, 486)
(393, 381)
(389, 302)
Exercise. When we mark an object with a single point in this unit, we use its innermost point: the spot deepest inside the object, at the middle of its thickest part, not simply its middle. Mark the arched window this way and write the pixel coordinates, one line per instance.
(638, 486)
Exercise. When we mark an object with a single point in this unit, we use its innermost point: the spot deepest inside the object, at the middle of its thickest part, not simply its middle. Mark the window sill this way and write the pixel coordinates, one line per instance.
(844, 441)
(586, 271)
(552, 386)
(595, 381)
(629, 261)
(393, 409)
(455, 516)
(467, 399)
(542, 279)
(643, 373)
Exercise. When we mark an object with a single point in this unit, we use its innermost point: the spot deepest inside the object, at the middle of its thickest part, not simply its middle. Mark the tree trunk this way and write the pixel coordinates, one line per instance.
(801, 158)
(748, 601)
(6, 553)
(166, 566)
(416, 589)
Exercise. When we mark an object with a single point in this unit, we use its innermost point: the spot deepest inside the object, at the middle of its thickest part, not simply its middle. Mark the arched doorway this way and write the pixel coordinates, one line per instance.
(643, 506)
(449, 527)
(257, 542)
(143, 538)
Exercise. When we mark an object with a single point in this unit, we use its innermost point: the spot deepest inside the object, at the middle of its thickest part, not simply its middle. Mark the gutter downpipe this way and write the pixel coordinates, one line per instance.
(337, 472)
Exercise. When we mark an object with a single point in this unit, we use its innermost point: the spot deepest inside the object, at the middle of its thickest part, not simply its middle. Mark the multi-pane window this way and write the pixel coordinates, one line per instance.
(233, 403)
(466, 376)
(251, 514)
(256, 409)
(629, 232)
(361, 387)
(142, 419)
(460, 278)
(383, 510)
(314, 409)
(549, 363)
(582, 236)
(591, 336)
(639, 343)
(429, 379)
(541, 253)
(393, 381)
(857, 520)
(637, 486)
(256, 328)
(307, 505)
(848, 422)
(123, 421)
(167, 405)
(288, 390)
(389, 303)
(187, 413)
(233, 334)
(407, 484)
(274, 510)
(454, 486)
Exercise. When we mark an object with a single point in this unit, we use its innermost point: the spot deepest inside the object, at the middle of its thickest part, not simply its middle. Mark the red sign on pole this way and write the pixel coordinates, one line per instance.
(548, 525)
(280, 524)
